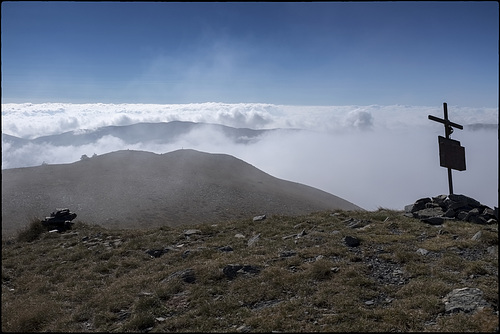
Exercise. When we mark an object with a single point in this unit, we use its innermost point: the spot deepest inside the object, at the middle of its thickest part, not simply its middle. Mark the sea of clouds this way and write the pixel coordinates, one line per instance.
(374, 156)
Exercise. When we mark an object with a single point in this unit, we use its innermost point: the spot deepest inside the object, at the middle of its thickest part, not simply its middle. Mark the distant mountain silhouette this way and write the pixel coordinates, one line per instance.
(13, 140)
(132, 189)
(164, 132)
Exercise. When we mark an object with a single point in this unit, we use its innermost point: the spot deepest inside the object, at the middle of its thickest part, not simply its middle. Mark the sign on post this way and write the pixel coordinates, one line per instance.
(451, 153)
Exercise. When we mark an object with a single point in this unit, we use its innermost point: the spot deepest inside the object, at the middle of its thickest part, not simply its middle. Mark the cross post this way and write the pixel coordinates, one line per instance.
(448, 130)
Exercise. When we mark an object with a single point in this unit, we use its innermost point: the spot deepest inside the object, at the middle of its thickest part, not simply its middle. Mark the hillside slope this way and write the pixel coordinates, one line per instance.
(131, 189)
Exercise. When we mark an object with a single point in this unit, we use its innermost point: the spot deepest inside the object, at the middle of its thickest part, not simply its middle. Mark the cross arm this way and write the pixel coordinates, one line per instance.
(445, 122)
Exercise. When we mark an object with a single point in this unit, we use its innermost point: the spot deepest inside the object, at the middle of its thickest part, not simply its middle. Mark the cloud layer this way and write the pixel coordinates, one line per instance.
(374, 156)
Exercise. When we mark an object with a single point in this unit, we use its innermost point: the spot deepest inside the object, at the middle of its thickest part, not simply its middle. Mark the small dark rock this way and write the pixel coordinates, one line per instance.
(188, 276)
(461, 215)
(420, 204)
(439, 200)
(156, 252)
(450, 213)
(352, 241)
(226, 249)
(434, 220)
(231, 270)
(288, 253)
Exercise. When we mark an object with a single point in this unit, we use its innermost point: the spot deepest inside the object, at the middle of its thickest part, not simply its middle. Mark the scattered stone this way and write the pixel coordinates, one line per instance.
(191, 232)
(265, 304)
(259, 218)
(144, 293)
(301, 234)
(239, 236)
(233, 270)
(356, 223)
(298, 235)
(244, 329)
(253, 240)
(477, 236)
(186, 253)
(123, 314)
(226, 249)
(351, 241)
(289, 236)
(464, 300)
(493, 250)
(187, 275)
(288, 253)
(422, 251)
(157, 252)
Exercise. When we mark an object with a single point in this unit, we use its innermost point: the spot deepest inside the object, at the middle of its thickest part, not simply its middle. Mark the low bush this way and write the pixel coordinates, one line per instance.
(32, 232)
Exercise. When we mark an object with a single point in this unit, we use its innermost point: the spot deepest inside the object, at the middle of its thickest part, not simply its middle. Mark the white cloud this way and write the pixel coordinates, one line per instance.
(374, 156)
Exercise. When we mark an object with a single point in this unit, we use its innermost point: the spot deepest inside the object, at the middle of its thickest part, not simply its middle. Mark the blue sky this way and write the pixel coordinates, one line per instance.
(334, 53)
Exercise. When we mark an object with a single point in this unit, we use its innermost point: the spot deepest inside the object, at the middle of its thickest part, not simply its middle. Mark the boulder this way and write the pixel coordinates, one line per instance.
(464, 300)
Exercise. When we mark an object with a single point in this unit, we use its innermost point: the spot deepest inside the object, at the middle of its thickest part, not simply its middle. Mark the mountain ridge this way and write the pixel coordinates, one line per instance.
(130, 189)
(161, 132)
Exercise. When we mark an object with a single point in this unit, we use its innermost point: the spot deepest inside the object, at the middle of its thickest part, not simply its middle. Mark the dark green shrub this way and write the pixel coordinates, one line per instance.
(32, 231)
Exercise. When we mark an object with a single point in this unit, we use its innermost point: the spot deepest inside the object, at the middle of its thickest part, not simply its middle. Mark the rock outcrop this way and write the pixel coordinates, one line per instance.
(464, 300)
(437, 210)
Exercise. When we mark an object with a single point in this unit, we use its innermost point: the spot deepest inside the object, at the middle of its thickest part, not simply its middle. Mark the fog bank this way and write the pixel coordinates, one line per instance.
(373, 156)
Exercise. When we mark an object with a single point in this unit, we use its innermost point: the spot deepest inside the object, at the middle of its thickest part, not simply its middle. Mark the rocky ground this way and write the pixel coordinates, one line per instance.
(329, 271)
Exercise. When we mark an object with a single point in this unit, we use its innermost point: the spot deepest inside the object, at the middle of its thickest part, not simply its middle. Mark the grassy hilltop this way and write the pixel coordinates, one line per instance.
(283, 273)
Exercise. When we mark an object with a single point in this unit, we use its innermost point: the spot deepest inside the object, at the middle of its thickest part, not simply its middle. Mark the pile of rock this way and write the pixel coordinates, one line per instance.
(437, 209)
(60, 220)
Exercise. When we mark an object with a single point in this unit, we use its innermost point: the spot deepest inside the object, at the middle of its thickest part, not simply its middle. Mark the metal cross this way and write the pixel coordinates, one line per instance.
(448, 130)
(456, 151)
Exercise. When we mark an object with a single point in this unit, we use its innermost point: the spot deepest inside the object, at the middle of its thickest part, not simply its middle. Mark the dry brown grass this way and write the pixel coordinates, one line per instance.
(99, 280)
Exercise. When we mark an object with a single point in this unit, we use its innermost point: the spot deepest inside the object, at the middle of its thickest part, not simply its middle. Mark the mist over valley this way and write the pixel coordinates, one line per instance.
(373, 156)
